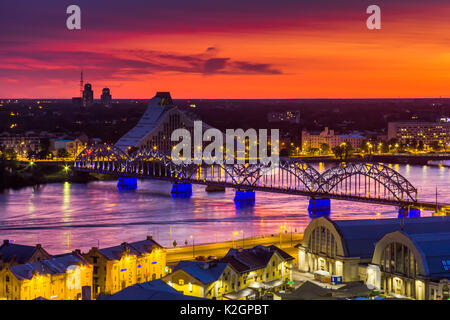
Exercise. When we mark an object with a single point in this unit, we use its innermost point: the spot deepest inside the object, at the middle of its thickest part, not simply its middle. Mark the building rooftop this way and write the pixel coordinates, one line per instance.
(244, 260)
(206, 272)
(152, 290)
(135, 248)
(360, 236)
(56, 265)
(157, 109)
(435, 249)
(16, 252)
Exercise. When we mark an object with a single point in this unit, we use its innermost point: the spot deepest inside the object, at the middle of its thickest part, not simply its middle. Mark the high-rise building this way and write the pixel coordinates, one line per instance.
(88, 95)
(106, 97)
(408, 132)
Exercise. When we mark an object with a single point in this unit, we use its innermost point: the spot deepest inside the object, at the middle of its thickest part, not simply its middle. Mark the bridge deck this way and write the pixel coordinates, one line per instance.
(343, 197)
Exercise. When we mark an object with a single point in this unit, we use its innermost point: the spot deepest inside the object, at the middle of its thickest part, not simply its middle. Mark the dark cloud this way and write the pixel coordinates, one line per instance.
(215, 65)
(121, 64)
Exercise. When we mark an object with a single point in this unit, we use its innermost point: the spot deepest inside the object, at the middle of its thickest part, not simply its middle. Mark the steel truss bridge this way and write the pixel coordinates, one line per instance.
(362, 182)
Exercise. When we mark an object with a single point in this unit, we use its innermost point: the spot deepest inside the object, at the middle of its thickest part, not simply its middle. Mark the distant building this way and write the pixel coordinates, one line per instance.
(22, 144)
(315, 140)
(73, 147)
(62, 277)
(154, 129)
(13, 254)
(286, 116)
(106, 98)
(76, 101)
(88, 95)
(116, 268)
(407, 132)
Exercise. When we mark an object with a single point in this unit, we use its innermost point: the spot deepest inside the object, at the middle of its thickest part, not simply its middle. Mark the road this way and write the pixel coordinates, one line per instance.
(220, 249)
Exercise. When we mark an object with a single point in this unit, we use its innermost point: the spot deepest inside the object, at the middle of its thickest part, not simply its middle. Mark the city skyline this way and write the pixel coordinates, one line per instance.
(205, 50)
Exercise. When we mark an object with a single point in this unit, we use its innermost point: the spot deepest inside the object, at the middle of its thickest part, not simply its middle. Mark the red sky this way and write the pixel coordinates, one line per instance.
(207, 49)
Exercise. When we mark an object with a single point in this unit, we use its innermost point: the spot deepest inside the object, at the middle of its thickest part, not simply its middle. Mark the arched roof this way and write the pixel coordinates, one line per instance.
(359, 237)
(431, 251)
(328, 224)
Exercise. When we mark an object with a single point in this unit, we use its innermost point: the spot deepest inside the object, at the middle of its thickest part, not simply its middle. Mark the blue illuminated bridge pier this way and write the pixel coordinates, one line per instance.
(362, 182)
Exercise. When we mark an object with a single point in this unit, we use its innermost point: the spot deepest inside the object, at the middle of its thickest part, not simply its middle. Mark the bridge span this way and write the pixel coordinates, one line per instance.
(362, 182)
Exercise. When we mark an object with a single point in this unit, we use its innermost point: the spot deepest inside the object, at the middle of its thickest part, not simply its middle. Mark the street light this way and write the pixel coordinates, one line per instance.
(283, 226)
(235, 233)
(193, 246)
(170, 234)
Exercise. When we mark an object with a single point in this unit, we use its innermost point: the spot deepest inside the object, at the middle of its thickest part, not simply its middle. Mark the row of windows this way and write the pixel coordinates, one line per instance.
(398, 258)
(322, 241)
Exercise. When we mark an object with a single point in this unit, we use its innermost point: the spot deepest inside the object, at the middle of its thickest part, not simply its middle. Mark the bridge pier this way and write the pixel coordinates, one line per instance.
(408, 212)
(244, 197)
(127, 183)
(319, 207)
(181, 190)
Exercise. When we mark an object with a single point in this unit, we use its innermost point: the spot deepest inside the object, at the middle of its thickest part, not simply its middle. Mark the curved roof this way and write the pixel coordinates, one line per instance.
(431, 249)
(206, 272)
(157, 109)
(359, 237)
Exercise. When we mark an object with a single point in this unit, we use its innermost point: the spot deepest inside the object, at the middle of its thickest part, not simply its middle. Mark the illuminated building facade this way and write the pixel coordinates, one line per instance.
(202, 279)
(63, 277)
(425, 132)
(116, 268)
(327, 136)
(21, 144)
(378, 252)
(412, 265)
(241, 274)
(259, 268)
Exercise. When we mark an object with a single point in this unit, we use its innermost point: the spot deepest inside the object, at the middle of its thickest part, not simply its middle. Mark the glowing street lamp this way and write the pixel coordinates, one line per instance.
(170, 227)
(193, 245)
(235, 233)
(283, 226)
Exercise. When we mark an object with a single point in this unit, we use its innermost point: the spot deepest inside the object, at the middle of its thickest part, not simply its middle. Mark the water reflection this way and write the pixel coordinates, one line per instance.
(66, 216)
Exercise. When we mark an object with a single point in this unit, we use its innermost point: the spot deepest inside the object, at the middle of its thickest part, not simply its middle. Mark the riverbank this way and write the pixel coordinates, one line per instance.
(16, 175)
(287, 242)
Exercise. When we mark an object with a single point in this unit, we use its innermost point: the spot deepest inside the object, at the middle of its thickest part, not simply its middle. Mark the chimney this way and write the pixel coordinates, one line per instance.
(149, 238)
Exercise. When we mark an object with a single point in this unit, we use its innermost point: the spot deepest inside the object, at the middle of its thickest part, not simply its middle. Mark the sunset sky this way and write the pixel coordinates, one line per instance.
(226, 49)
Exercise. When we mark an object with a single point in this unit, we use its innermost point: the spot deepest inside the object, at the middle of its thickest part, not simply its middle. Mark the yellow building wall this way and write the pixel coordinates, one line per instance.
(188, 285)
(115, 275)
(65, 286)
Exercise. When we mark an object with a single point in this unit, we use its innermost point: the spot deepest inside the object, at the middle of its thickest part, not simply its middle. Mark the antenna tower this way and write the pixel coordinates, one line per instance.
(81, 84)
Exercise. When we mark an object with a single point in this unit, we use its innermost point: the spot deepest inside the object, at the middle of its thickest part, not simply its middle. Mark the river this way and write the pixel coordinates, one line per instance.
(64, 217)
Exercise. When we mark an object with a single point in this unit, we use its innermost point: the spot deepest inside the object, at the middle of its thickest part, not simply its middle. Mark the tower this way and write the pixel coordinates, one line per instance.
(81, 84)
(106, 97)
(88, 95)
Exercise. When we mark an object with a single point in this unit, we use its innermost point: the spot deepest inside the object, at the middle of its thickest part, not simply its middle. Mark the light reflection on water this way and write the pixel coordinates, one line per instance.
(65, 217)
